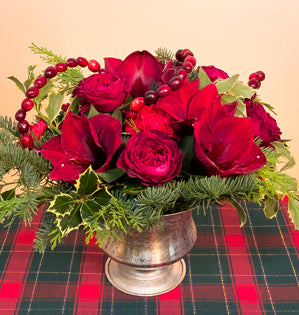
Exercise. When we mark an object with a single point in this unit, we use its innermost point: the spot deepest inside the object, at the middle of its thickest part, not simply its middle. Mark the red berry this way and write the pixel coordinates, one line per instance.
(191, 59)
(255, 84)
(72, 62)
(103, 71)
(176, 83)
(182, 73)
(27, 141)
(178, 55)
(82, 62)
(94, 66)
(186, 53)
(188, 66)
(163, 90)
(150, 97)
(32, 92)
(255, 76)
(20, 115)
(23, 126)
(131, 115)
(27, 104)
(61, 67)
(261, 75)
(179, 64)
(137, 104)
(40, 82)
(50, 72)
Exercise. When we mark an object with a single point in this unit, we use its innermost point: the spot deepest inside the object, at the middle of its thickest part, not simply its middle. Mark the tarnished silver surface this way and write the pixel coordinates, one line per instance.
(149, 263)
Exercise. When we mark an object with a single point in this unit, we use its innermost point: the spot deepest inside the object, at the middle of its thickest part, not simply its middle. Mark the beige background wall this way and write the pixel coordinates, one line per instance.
(237, 36)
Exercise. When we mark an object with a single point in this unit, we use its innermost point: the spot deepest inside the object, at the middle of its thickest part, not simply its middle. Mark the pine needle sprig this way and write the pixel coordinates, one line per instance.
(164, 55)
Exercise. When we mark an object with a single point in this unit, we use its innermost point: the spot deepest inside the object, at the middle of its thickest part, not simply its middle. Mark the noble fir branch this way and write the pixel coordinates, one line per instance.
(164, 55)
(8, 127)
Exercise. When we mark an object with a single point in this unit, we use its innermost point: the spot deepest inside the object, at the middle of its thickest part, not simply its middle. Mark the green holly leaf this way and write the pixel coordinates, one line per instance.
(102, 198)
(62, 204)
(88, 183)
(88, 210)
(294, 210)
(111, 175)
(71, 221)
(226, 84)
(204, 80)
(240, 211)
(271, 207)
(242, 90)
(54, 106)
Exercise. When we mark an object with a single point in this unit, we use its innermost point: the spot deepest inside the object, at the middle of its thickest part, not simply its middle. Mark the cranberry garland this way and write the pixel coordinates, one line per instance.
(255, 79)
(185, 62)
(32, 92)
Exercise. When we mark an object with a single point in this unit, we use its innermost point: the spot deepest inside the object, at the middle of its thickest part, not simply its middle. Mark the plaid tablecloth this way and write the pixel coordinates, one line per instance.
(230, 270)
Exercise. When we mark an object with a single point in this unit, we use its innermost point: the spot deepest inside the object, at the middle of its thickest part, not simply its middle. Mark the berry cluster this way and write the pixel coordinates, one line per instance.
(255, 79)
(32, 92)
(184, 64)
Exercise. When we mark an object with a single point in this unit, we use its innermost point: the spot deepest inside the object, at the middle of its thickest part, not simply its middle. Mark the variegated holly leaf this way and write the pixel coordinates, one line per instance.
(62, 204)
(271, 207)
(227, 84)
(88, 183)
(70, 221)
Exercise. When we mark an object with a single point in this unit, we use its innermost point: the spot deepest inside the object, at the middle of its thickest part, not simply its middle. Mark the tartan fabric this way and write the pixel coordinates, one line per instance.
(230, 270)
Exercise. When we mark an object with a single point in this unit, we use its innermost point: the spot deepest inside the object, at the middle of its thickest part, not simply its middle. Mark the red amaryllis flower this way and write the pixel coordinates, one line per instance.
(152, 157)
(38, 128)
(83, 142)
(189, 102)
(264, 125)
(151, 117)
(224, 145)
(141, 69)
(215, 73)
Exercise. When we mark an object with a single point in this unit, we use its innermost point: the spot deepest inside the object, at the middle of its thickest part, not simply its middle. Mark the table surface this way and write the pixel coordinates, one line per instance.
(230, 270)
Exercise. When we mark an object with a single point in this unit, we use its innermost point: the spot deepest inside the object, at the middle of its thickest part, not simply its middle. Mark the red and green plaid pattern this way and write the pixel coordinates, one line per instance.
(230, 270)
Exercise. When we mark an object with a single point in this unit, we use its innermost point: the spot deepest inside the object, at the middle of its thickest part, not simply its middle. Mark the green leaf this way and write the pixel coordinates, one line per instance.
(30, 79)
(204, 79)
(44, 92)
(117, 114)
(88, 183)
(102, 197)
(18, 83)
(133, 188)
(240, 211)
(9, 194)
(88, 210)
(226, 84)
(294, 211)
(54, 106)
(74, 107)
(271, 207)
(186, 145)
(71, 221)
(242, 90)
(111, 175)
(228, 98)
(62, 204)
(92, 112)
(288, 165)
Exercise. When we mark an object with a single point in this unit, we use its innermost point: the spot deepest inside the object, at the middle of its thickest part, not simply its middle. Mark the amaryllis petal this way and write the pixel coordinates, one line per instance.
(143, 69)
(67, 170)
(53, 150)
(112, 64)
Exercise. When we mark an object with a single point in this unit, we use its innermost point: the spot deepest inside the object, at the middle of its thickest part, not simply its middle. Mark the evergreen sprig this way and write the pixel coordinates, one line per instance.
(164, 55)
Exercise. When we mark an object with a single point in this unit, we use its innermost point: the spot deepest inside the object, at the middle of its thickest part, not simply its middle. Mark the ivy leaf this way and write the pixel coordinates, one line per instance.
(241, 90)
(204, 80)
(92, 112)
(271, 207)
(62, 204)
(294, 211)
(18, 83)
(53, 108)
(226, 84)
(240, 211)
(87, 183)
(71, 221)
(111, 175)
(9, 194)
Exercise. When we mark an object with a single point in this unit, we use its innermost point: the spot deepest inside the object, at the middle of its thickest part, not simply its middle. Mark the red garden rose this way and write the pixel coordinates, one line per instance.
(224, 146)
(151, 157)
(83, 142)
(215, 73)
(264, 126)
(105, 91)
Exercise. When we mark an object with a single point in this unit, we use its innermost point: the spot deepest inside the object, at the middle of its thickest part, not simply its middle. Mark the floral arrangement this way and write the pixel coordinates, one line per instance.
(134, 139)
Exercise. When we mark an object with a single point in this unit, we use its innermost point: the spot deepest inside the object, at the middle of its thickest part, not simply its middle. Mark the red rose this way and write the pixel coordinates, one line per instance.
(152, 157)
(215, 73)
(105, 91)
(224, 146)
(264, 126)
(83, 142)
